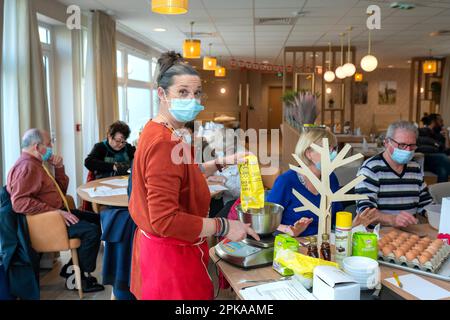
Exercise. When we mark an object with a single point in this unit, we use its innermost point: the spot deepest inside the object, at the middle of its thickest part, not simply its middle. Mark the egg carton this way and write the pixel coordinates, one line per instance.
(432, 265)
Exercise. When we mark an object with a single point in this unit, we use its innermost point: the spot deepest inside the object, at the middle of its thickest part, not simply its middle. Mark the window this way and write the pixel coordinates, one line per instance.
(45, 36)
(135, 93)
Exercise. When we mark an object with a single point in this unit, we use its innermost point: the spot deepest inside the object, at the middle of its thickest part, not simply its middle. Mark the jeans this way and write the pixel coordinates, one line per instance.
(89, 232)
(439, 164)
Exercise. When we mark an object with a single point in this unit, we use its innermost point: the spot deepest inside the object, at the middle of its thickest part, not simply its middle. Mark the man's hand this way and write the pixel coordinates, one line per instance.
(56, 161)
(403, 219)
(69, 218)
(366, 218)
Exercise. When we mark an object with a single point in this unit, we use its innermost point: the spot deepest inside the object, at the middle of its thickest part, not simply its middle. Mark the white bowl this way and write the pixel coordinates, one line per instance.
(360, 265)
(434, 215)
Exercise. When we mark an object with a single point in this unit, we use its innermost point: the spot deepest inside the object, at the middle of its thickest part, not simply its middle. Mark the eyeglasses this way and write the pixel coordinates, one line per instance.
(404, 146)
(185, 94)
(120, 141)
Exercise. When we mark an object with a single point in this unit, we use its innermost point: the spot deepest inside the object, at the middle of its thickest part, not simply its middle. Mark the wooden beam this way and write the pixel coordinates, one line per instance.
(419, 100)
(412, 79)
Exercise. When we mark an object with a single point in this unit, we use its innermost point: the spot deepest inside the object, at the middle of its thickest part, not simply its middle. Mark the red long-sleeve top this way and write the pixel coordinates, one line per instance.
(31, 189)
(168, 199)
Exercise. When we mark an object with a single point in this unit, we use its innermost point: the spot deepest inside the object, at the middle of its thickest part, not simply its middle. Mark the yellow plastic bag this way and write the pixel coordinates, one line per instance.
(252, 189)
(299, 263)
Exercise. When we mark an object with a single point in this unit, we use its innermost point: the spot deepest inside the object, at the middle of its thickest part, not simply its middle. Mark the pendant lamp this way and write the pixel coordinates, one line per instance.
(209, 62)
(430, 65)
(369, 62)
(191, 47)
(170, 6)
(349, 68)
(220, 71)
(340, 70)
(329, 75)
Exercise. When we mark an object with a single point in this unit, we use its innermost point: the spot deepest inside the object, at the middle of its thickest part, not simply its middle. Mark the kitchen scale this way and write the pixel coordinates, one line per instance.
(248, 253)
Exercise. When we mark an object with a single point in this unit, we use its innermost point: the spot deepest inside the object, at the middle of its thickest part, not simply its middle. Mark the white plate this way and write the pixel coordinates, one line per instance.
(359, 265)
(434, 215)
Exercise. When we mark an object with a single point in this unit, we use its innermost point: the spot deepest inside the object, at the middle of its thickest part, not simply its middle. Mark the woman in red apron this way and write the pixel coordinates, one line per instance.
(170, 197)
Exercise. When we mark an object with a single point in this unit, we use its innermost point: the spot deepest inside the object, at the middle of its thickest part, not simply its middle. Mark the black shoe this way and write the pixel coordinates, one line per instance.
(64, 269)
(89, 286)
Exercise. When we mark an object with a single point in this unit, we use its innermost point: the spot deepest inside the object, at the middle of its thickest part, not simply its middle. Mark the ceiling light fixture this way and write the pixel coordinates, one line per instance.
(369, 62)
(358, 77)
(209, 62)
(170, 6)
(430, 65)
(329, 76)
(191, 47)
(349, 68)
(340, 70)
(220, 71)
(159, 30)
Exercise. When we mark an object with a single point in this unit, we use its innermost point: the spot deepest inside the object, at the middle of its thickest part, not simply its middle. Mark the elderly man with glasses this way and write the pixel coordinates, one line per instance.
(394, 181)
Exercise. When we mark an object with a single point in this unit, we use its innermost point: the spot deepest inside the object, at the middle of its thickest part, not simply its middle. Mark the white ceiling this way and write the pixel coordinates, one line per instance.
(404, 33)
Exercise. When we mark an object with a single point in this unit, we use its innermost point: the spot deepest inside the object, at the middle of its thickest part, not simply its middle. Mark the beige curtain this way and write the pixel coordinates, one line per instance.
(104, 39)
(24, 100)
(445, 93)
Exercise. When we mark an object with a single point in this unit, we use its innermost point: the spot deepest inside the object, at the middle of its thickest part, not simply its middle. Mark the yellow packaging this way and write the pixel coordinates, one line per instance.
(252, 189)
(284, 242)
(301, 264)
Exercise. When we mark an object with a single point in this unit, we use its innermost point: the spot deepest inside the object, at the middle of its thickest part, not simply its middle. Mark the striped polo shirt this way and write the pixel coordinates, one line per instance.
(391, 192)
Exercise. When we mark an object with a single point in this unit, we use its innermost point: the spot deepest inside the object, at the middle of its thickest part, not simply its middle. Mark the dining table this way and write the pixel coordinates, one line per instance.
(115, 200)
(239, 278)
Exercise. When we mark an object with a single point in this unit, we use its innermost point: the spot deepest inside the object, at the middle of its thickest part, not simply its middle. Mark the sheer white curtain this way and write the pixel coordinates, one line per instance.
(24, 101)
(445, 93)
(90, 119)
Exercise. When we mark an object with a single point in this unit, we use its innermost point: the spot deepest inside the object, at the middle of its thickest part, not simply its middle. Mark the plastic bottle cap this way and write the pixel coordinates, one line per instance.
(344, 219)
(325, 237)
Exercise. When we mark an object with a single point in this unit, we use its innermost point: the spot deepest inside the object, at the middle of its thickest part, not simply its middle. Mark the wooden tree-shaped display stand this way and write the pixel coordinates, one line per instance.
(323, 185)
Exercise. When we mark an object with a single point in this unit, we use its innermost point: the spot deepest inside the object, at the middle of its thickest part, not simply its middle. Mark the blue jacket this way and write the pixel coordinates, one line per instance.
(20, 262)
(281, 194)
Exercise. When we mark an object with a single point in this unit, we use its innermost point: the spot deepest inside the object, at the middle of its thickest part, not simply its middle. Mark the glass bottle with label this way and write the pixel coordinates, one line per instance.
(325, 249)
(312, 247)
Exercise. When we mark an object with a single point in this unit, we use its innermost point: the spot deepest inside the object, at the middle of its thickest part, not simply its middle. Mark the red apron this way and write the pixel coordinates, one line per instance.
(173, 269)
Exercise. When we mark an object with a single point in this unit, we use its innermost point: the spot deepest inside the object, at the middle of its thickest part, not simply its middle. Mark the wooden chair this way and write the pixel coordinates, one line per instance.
(48, 233)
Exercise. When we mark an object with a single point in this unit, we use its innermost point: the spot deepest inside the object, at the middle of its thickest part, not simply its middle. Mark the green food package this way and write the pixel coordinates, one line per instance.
(284, 242)
(365, 244)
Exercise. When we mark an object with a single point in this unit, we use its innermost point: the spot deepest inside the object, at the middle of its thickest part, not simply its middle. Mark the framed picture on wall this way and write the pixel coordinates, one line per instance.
(360, 93)
(387, 92)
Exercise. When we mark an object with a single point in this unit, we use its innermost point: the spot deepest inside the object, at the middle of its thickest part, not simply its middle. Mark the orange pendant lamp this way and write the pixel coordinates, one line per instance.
(170, 6)
(209, 62)
(191, 47)
(430, 66)
(358, 77)
(220, 71)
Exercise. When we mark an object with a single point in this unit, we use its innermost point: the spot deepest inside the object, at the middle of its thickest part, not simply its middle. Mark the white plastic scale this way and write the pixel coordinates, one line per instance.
(248, 253)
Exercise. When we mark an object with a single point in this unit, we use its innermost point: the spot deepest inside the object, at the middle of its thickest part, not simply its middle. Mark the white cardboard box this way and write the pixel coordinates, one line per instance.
(330, 283)
(444, 224)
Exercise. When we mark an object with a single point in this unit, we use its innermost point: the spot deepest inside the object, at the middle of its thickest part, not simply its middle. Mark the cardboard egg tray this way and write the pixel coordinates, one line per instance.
(432, 265)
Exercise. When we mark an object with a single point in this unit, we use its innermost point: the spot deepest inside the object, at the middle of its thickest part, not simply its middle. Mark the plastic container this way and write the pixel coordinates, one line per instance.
(343, 236)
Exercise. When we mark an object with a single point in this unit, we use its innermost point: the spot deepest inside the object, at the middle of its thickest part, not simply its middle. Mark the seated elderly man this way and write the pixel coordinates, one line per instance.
(394, 181)
(34, 190)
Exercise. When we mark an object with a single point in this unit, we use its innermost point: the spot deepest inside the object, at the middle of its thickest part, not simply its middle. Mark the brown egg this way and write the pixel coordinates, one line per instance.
(431, 250)
(427, 254)
(404, 235)
(423, 259)
(380, 246)
(411, 242)
(405, 247)
(415, 252)
(437, 243)
(387, 250)
(398, 253)
(415, 237)
(410, 255)
(398, 242)
(426, 239)
(420, 247)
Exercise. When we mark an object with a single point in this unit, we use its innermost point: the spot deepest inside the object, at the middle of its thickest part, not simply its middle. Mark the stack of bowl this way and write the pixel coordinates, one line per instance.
(363, 270)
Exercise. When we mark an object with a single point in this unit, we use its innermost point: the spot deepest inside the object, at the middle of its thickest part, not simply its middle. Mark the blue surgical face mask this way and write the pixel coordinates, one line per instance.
(333, 155)
(48, 154)
(402, 156)
(185, 110)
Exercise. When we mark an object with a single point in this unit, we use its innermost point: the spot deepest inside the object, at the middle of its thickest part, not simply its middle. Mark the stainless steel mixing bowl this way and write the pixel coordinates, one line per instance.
(265, 220)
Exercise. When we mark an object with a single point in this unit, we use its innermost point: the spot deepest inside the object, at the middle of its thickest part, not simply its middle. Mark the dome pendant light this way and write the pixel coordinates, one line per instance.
(349, 68)
(209, 62)
(339, 70)
(329, 75)
(220, 71)
(369, 62)
(191, 47)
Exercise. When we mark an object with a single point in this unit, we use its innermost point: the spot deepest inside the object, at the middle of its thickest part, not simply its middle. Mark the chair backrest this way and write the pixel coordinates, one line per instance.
(439, 191)
(420, 158)
(347, 173)
(269, 179)
(48, 232)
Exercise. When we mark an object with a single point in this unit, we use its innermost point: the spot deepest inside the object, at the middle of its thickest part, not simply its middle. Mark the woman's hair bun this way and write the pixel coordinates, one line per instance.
(168, 59)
